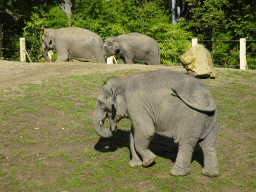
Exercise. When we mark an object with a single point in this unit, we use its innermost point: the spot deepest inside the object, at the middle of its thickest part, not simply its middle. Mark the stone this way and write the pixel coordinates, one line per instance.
(198, 62)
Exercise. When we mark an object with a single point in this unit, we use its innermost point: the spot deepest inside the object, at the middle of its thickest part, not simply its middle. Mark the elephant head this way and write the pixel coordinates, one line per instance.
(111, 46)
(48, 42)
(48, 38)
(111, 106)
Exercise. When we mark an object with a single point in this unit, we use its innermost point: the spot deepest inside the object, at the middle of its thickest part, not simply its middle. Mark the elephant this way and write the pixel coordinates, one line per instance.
(164, 102)
(73, 42)
(133, 47)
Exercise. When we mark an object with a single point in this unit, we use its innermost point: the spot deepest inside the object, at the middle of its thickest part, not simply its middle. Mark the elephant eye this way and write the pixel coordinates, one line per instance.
(102, 104)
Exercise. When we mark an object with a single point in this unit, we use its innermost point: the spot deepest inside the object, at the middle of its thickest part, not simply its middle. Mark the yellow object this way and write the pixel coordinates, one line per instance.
(198, 62)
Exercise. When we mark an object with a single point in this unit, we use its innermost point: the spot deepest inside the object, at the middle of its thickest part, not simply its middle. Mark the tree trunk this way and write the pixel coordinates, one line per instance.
(174, 11)
(1, 43)
(66, 6)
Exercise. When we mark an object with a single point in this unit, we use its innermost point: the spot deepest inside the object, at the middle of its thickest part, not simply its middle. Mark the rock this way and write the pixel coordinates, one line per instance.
(198, 62)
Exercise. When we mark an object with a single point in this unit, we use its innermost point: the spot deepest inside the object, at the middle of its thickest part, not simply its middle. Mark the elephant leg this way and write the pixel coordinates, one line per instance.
(62, 55)
(128, 61)
(94, 59)
(143, 134)
(128, 57)
(210, 157)
(153, 60)
(135, 161)
(121, 59)
(183, 160)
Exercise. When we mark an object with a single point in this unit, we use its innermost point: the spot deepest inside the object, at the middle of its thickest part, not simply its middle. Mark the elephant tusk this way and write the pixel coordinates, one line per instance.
(101, 122)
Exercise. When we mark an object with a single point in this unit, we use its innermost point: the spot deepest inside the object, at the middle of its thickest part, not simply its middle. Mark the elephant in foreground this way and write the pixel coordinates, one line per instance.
(165, 102)
(133, 47)
(73, 42)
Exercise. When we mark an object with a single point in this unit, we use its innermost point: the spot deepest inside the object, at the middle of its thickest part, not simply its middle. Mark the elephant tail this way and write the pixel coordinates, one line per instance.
(196, 95)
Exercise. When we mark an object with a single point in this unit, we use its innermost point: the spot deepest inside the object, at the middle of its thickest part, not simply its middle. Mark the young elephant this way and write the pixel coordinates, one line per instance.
(133, 47)
(164, 102)
(73, 42)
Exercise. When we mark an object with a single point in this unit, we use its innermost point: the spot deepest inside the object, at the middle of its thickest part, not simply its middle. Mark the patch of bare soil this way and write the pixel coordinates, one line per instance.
(47, 148)
(13, 73)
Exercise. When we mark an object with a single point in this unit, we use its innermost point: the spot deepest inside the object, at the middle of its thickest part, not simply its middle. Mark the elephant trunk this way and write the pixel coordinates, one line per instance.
(45, 52)
(99, 117)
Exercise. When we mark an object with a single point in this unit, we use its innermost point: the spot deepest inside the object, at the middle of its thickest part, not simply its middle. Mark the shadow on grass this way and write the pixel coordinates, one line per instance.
(159, 145)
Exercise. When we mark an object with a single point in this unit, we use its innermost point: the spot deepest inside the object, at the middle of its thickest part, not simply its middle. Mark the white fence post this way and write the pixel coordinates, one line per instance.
(194, 42)
(22, 50)
(50, 54)
(110, 60)
(243, 63)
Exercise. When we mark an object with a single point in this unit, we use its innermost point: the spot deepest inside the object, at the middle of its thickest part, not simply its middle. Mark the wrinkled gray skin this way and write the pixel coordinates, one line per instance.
(73, 42)
(169, 103)
(133, 47)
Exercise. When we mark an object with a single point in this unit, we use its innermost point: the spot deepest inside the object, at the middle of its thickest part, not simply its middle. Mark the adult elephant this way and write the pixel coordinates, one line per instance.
(133, 47)
(73, 42)
(169, 103)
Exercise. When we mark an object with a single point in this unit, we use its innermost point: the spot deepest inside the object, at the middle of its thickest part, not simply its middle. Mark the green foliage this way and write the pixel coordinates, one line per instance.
(41, 18)
(167, 34)
(27, 19)
(224, 20)
(207, 20)
(107, 18)
(118, 17)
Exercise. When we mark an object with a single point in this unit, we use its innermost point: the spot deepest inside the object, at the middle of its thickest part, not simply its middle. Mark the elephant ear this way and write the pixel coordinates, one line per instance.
(120, 105)
(51, 42)
(48, 39)
(116, 47)
(195, 94)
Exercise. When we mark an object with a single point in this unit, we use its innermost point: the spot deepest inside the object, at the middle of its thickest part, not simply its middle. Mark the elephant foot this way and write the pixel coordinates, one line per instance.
(147, 161)
(135, 163)
(210, 172)
(178, 171)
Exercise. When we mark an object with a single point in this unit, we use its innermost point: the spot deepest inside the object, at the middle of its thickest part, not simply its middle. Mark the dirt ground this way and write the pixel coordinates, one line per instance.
(34, 144)
(13, 73)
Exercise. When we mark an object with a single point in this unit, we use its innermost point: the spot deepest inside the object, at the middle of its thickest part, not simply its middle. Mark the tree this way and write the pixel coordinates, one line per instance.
(223, 20)
(66, 7)
(28, 19)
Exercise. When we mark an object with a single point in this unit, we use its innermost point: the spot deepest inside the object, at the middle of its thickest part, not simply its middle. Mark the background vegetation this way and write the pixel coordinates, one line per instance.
(215, 20)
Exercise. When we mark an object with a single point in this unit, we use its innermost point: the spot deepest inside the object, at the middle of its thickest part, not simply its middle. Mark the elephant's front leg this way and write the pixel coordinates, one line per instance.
(128, 57)
(135, 161)
(183, 160)
(143, 134)
(121, 59)
(62, 55)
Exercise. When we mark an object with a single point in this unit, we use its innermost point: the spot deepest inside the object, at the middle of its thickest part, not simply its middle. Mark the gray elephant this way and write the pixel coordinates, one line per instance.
(73, 42)
(133, 47)
(165, 102)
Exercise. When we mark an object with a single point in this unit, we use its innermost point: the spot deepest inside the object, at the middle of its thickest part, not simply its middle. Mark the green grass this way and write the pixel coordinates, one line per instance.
(48, 142)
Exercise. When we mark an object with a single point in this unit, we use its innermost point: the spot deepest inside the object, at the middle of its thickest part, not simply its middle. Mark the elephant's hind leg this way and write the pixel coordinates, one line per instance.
(183, 160)
(210, 157)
